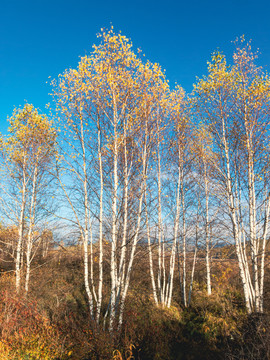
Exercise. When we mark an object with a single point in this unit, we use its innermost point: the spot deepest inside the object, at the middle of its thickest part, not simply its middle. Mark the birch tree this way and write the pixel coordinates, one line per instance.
(103, 110)
(234, 101)
(185, 194)
(26, 153)
(179, 149)
(168, 168)
(205, 157)
(155, 186)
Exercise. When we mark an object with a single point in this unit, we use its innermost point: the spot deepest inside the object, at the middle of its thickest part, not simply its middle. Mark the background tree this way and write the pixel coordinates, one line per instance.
(27, 153)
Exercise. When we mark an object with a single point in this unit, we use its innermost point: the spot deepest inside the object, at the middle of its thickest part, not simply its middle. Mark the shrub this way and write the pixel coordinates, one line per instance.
(26, 333)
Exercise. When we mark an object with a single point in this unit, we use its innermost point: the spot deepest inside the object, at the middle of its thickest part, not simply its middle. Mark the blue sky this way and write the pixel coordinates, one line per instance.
(41, 38)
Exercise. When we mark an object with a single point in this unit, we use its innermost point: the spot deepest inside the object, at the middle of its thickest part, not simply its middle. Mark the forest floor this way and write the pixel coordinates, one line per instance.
(53, 322)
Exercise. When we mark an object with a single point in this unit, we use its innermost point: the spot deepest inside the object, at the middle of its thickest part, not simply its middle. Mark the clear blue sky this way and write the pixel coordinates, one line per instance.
(41, 38)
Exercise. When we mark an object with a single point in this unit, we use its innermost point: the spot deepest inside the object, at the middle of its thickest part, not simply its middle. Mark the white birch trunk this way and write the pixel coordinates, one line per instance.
(20, 233)
(114, 221)
(100, 281)
(29, 242)
(176, 230)
(92, 261)
(252, 217)
(265, 231)
(152, 277)
(85, 233)
(193, 268)
(184, 276)
(122, 264)
(232, 211)
(127, 279)
(160, 263)
(135, 240)
(207, 238)
(86, 272)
